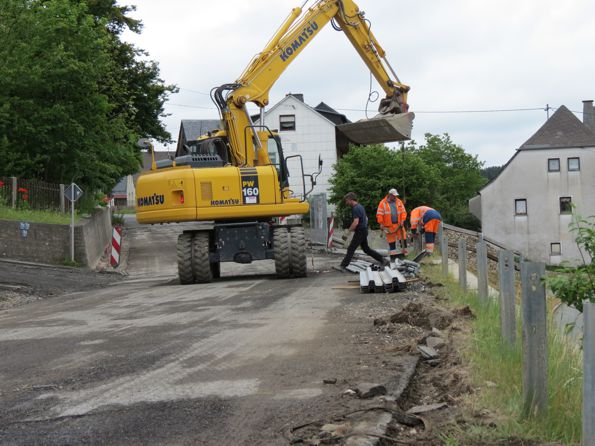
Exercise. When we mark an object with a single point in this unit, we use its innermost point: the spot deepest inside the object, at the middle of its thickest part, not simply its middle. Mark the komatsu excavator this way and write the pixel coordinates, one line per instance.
(226, 179)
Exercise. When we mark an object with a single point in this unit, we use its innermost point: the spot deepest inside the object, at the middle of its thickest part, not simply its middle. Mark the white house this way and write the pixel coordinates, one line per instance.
(527, 207)
(309, 132)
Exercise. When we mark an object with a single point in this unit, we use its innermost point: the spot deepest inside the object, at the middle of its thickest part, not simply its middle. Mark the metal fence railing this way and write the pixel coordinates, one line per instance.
(533, 319)
(32, 194)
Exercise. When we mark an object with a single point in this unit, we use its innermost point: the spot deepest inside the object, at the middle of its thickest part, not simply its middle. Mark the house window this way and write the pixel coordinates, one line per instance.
(286, 122)
(520, 206)
(574, 164)
(553, 165)
(565, 205)
(555, 249)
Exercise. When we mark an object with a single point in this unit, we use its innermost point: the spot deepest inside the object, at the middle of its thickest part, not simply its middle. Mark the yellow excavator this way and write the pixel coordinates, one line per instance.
(226, 180)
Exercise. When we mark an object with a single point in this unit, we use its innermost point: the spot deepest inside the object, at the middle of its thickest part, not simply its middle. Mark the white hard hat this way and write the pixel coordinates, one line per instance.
(393, 192)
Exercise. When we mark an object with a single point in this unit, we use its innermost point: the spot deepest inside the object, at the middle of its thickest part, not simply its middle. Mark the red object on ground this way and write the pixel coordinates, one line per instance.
(116, 246)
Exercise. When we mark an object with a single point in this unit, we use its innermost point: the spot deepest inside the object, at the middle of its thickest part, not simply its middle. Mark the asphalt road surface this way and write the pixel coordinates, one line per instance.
(148, 361)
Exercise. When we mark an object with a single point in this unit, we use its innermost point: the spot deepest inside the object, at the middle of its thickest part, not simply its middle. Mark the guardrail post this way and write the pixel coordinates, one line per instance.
(62, 199)
(533, 308)
(14, 192)
(507, 296)
(439, 235)
(463, 264)
(589, 374)
(482, 269)
(444, 252)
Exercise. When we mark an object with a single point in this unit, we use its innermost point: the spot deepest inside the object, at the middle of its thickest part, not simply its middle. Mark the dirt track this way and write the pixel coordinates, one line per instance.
(247, 360)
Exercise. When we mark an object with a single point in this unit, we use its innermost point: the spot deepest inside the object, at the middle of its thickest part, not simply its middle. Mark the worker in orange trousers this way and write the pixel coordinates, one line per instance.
(391, 216)
(425, 220)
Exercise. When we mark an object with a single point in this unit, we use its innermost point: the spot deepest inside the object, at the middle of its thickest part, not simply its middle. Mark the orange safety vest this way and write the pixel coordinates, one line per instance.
(416, 216)
(384, 216)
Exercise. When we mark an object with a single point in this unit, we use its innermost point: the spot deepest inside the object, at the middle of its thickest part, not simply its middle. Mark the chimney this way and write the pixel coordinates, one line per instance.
(589, 115)
(300, 96)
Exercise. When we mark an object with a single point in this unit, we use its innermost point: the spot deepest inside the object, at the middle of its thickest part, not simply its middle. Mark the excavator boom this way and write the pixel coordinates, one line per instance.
(393, 123)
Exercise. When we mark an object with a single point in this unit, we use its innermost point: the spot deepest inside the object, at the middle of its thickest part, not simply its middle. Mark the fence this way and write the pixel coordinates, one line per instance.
(32, 194)
(533, 316)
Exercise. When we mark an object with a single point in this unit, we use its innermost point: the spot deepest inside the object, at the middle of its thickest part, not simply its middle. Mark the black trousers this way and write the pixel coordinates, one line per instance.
(360, 238)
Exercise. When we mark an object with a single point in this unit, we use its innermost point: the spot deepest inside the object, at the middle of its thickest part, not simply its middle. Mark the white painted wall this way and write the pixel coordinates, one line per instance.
(527, 176)
(314, 135)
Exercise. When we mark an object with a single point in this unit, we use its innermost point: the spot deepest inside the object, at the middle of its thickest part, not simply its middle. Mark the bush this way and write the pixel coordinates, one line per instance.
(575, 285)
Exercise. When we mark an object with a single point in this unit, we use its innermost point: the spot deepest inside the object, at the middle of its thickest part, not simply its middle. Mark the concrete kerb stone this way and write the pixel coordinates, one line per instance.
(40, 265)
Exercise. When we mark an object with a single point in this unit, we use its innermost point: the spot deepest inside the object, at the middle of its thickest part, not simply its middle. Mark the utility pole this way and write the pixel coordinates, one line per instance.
(547, 110)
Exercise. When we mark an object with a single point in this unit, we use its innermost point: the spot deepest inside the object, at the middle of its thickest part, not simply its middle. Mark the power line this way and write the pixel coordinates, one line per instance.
(503, 110)
(548, 108)
(194, 91)
(460, 111)
(191, 106)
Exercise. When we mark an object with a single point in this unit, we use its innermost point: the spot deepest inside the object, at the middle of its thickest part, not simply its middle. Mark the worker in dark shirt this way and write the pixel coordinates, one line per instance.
(359, 226)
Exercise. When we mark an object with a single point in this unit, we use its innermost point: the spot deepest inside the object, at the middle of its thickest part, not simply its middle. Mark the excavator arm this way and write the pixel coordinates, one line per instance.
(288, 42)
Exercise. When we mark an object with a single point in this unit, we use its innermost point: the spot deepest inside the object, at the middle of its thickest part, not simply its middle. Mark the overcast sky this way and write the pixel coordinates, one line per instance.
(457, 55)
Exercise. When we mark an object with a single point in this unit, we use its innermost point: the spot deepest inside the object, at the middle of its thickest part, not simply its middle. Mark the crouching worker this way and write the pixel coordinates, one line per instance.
(426, 220)
(359, 227)
(391, 216)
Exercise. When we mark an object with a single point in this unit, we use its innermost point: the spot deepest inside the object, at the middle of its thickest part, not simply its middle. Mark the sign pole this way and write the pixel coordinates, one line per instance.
(72, 222)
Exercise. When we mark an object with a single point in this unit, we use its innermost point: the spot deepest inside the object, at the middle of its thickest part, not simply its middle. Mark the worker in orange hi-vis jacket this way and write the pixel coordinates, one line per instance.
(426, 220)
(391, 216)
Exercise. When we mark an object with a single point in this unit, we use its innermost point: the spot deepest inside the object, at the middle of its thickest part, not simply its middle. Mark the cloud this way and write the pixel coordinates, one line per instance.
(455, 55)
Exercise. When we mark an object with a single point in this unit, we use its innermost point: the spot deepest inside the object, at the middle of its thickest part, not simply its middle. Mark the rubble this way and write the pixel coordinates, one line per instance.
(426, 408)
(370, 390)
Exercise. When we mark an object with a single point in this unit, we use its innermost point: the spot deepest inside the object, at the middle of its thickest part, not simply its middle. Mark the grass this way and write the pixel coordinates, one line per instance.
(34, 216)
(125, 211)
(492, 360)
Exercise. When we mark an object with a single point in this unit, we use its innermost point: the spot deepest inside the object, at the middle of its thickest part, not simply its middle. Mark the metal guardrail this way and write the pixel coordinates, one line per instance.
(518, 257)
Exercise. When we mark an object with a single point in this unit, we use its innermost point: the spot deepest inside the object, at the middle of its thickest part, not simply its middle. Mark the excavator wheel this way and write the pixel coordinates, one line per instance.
(297, 258)
(184, 254)
(201, 267)
(281, 251)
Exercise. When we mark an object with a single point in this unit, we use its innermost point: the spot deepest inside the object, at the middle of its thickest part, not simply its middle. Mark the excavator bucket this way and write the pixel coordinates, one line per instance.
(379, 129)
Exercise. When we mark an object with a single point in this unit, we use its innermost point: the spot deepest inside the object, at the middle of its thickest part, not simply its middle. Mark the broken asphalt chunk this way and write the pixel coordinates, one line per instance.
(370, 390)
(427, 352)
(426, 408)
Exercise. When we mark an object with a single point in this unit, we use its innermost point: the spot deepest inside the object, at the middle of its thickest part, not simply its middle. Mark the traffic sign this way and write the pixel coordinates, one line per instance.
(73, 192)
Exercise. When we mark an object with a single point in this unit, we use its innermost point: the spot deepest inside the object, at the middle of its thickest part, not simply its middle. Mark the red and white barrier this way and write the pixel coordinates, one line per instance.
(331, 230)
(116, 246)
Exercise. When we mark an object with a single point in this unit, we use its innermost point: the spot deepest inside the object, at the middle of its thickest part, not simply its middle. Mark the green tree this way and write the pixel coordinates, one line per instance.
(456, 178)
(438, 174)
(575, 285)
(73, 98)
(489, 173)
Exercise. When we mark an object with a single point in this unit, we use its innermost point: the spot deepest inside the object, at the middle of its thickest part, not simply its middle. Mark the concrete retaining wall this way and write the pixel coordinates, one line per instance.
(50, 243)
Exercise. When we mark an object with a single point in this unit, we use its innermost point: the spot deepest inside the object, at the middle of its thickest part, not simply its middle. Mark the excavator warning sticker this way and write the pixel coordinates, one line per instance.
(250, 190)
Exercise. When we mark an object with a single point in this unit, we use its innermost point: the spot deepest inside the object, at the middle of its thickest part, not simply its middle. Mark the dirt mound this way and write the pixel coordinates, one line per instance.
(419, 315)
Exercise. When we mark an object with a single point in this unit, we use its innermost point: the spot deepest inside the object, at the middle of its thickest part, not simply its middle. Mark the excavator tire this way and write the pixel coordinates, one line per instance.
(201, 267)
(282, 251)
(184, 254)
(298, 251)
